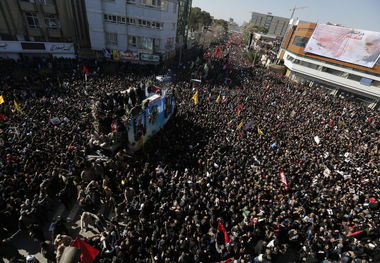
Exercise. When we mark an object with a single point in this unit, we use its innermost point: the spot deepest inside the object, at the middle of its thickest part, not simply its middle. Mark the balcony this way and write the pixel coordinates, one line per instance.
(27, 6)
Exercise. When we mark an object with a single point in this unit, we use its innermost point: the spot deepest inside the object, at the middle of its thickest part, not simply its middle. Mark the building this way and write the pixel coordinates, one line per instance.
(184, 10)
(341, 59)
(275, 25)
(134, 30)
(42, 28)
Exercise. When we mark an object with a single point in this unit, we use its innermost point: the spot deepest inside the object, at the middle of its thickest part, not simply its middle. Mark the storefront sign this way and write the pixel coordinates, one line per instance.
(149, 57)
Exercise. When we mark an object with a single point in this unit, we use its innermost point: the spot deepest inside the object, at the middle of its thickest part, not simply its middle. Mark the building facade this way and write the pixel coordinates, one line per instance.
(337, 75)
(184, 10)
(275, 25)
(134, 30)
(42, 27)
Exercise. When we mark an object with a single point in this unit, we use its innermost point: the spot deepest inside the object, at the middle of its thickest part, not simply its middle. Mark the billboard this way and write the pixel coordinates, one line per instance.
(354, 46)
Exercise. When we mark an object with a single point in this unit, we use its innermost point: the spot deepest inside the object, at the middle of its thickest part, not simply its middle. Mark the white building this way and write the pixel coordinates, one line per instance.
(139, 30)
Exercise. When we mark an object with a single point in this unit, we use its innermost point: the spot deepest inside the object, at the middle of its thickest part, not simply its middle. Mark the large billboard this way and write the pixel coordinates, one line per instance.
(354, 46)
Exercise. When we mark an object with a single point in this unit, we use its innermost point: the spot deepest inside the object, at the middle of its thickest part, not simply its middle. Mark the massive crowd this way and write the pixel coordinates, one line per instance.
(260, 170)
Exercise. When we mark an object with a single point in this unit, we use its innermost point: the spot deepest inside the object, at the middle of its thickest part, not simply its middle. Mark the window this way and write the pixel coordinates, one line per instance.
(169, 42)
(111, 38)
(132, 41)
(144, 22)
(148, 24)
(147, 43)
(32, 20)
(131, 21)
(300, 41)
(158, 25)
(123, 20)
(156, 44)
(52, 22)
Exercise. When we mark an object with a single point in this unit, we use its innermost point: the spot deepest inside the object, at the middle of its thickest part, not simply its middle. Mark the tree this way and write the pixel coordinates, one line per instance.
(248, 29)
(199, 19)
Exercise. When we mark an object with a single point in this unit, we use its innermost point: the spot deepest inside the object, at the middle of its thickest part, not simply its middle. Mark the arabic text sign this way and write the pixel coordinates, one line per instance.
(354, 46)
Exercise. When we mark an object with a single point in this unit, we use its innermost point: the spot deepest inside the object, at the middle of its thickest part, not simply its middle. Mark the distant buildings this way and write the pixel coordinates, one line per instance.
(275, 25)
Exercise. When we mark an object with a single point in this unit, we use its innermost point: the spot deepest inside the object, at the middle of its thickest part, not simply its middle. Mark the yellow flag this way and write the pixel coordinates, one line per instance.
(260, 131)
(239, 126)
(122, 182)
(141, 141)
(196, 98)
(18, 107)
(218, 99)
(1, 99)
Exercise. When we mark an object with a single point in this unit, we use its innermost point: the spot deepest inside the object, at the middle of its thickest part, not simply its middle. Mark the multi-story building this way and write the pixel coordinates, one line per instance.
(136, 30)
(184, 10)
(343, 60)
(275, 25)
(42, 27)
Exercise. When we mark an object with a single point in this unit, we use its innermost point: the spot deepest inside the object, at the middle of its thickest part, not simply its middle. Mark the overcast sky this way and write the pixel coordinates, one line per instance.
(359, 14)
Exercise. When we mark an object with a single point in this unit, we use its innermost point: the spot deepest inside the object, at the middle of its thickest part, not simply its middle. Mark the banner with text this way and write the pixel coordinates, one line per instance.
(354, 46)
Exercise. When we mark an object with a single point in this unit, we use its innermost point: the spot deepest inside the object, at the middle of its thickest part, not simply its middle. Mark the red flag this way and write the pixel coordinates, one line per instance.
(331, 123)
(217, 52)
(355, 233)
(3, 117)
(221, 228)
(229, 123)
(228, 260)
(239, 109)
(89, 253)
(283, 179)
(85, 70)
(278, 125)
(370, 120)
(372, 200)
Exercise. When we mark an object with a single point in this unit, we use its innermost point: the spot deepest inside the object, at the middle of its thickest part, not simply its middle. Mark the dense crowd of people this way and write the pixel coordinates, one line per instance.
(260, 170)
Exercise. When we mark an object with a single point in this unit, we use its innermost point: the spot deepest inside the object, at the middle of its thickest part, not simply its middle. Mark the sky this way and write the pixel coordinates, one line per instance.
(359, 14)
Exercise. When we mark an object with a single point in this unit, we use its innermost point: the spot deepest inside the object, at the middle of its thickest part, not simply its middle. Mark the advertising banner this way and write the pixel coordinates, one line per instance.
(129, 55)
(354, 46)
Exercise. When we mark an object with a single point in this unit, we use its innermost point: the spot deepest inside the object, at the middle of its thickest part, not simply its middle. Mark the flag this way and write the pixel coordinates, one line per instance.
(85, 70)
(218, 99)
(217, 52)
(88, 254)
(372, 200)
(239, 126)
(229, 123)
(283, 179)
(355, 233)
(196, 98)
(3, 117)
(141, 140)
(18, 107)
(221, 228)
(260, 131)
(1, 99)
(331, 123)
(248, 125)
(278, 125)
(239, 108)
(369, 120)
